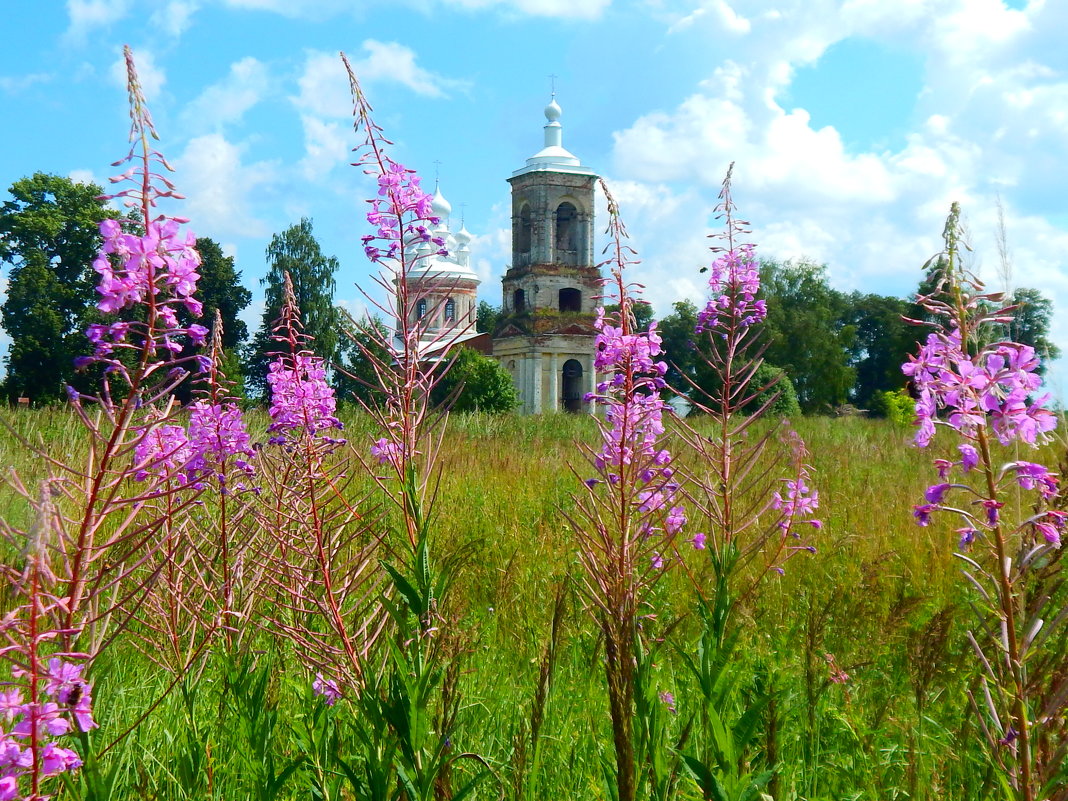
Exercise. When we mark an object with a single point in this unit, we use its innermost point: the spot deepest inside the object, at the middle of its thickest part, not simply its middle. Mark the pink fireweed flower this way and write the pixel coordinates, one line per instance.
(936, 493)
(1049, 533)
(164, 452)
(217, 434)
(401, 213)
(967, 537)
(734, 284)
(327, 688)
(799, 501)
(922, 513)
(158, 268)
(1035, 476)
(991, 388)
(675, 520)
(27, 747)
(634, 418)
(301, 399)
(699, 539)
(835, 673)
(969, 457)
(386, 451)
(991, 507)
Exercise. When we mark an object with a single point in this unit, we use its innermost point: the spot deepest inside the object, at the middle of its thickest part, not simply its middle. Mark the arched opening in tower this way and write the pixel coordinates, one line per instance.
(570, 300)
(524, 235)
(567, 234)
(519, 301)
(572, 386)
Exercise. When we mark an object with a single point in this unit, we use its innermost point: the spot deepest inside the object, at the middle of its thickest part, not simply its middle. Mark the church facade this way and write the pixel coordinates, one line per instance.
(545, 337)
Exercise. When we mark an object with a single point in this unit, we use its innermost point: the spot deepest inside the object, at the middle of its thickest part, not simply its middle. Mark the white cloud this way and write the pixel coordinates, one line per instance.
(226, 102)
(324, 85)
(17, 83)
(86, 177)
(175, 16)
(322, 9)
(992, 119)
(219, 187)
(326, 145)
(574, 9)
(86, 15)
(392, 62)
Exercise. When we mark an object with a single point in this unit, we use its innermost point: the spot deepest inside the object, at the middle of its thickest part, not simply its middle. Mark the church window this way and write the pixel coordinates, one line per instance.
(525, 233)
(420, 309)
(519, 301)
(566, 233)
(570, 300)
(450, 310)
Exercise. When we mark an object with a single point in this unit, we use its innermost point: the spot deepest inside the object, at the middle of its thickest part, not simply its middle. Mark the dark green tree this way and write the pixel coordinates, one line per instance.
(297, 252)
(49, 236)
(475, 383)
(487, 318)
(219, 288)
(355, 379)
(680, 345)
(881, 344)
(1030, 324)
(807, 333)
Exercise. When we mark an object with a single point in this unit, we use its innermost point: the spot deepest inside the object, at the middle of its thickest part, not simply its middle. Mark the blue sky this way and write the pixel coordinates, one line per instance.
(853, 124)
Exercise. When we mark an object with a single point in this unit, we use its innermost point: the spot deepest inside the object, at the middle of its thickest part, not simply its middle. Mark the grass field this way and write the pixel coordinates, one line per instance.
(882, 597)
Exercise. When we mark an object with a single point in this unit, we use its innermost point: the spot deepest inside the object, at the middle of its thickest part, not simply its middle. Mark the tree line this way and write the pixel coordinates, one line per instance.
(833, 347)
(49, 237)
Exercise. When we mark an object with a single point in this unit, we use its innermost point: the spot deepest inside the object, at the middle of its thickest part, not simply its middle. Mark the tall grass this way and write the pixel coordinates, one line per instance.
(882, 597)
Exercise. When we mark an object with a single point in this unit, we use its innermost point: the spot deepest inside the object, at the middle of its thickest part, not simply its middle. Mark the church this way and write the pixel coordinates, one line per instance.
(545, 335)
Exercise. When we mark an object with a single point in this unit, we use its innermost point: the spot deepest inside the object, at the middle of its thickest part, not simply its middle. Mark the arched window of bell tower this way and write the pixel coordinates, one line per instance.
(568, 235)
(570, 300)
(524, 235)
(519, 301)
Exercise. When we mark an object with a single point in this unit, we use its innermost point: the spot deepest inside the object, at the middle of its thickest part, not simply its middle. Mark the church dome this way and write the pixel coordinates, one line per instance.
(440, 206)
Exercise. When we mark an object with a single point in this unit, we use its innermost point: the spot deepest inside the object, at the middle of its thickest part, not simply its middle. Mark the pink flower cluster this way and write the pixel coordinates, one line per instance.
(797, 503)
(634, 424)
(216, 434)
(991, 388)
(163, 264)
(301, 399)
(23, 722)
(401, 211)
(157, 269)
(327, 689)
(386, 451)
(735, 282)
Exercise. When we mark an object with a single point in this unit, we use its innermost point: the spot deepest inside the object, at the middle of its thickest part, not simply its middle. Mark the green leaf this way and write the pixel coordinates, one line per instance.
(416, 603)
(710, 786)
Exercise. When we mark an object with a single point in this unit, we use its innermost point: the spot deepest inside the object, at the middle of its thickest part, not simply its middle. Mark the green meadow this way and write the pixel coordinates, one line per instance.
(882, 601)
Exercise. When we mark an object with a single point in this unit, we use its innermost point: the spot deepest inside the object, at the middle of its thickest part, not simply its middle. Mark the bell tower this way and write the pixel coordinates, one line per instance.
(545, 338)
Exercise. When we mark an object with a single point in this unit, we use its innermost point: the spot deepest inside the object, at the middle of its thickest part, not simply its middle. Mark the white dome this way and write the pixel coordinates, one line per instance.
(553, 111)
(440, 206)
